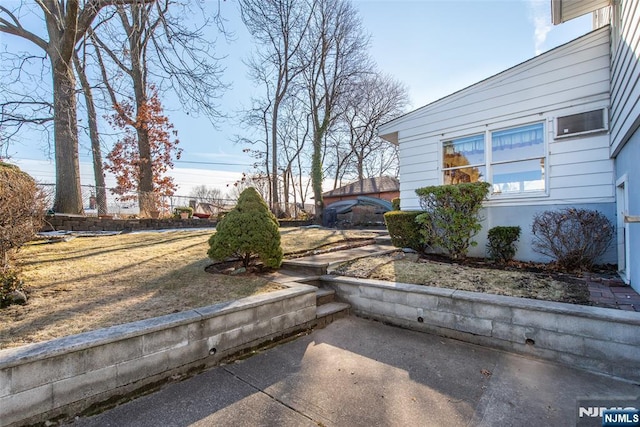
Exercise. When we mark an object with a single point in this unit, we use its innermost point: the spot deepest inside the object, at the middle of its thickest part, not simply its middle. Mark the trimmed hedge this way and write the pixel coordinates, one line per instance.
(403, 229)
(501, 243)
(451, 216)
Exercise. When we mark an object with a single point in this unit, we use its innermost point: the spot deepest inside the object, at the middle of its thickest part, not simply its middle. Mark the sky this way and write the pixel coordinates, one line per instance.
(435, 47)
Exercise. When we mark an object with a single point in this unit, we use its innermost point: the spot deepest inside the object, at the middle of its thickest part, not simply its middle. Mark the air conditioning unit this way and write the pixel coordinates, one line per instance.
(582, 123)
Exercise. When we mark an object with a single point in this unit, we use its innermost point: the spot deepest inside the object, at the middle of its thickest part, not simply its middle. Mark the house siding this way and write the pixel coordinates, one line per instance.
(570, 79)
(575, 8)
(625, 120)
(625, 76)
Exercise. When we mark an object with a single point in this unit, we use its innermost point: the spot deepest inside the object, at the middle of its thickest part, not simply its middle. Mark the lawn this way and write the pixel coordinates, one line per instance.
(94, 282)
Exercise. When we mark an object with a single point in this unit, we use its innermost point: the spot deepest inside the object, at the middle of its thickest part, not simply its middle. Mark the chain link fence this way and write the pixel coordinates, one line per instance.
(126, 207)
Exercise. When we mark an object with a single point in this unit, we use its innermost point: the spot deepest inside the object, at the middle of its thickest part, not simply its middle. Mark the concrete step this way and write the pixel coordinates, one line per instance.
(302, 266)
(327, 313)
(383, 240)
(325, 296)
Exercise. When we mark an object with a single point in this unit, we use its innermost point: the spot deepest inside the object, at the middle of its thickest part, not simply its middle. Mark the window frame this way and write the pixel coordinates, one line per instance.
(489, 164)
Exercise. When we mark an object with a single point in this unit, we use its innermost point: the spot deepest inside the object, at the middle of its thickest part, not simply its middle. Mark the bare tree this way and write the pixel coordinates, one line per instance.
(203, 193)
(372, 101)
(94, 136)
(336, 54)
(66, 22)
(279, 27)
(154, 43)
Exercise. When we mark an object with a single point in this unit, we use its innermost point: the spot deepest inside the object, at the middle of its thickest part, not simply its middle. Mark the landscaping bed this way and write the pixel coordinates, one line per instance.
(526, 280)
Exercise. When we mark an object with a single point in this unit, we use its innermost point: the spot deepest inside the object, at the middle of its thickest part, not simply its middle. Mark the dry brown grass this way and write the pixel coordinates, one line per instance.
(403, 268)
(94, 282)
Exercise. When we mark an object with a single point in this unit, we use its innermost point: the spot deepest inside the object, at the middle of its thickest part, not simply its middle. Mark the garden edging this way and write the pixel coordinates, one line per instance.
(593, 338)
(66, 375)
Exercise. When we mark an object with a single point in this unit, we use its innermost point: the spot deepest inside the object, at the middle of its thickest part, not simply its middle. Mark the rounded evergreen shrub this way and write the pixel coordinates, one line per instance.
(501, 243)
(248, 230)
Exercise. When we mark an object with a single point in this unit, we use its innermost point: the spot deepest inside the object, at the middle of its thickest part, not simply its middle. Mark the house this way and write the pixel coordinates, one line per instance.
(383, 187)
(559, 130)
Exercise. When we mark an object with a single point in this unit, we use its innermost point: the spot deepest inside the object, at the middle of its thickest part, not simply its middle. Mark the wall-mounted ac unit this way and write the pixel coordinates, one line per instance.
(581, 123)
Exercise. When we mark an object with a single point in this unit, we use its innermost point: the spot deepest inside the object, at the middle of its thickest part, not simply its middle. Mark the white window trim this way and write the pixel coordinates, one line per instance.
(487, 131)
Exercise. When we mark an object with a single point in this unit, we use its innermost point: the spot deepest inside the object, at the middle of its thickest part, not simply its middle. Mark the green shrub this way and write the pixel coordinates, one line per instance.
(9, 283)
(575, 238)
(501, 243)
(403, 229)
(395, 203)
(451, 217)
(180, 209)
(248, 229)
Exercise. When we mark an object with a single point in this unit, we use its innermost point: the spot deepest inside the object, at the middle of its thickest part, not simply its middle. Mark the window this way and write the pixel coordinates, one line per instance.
(517, 159)
(513, 160)
(464, 160)
(575, 124)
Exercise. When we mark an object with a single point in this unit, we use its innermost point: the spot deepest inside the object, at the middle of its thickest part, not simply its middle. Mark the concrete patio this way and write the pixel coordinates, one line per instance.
(357, 372)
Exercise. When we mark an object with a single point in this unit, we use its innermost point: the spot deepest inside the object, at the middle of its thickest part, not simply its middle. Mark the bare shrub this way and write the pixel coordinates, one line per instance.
(575, 238)
(22, 211)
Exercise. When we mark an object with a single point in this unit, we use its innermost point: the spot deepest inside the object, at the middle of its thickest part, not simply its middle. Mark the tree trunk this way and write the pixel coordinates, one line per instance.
(68, 197)
(316, 176)
(92, 116)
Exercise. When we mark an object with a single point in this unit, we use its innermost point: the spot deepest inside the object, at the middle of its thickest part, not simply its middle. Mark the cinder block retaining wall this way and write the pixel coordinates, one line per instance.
(67, 375)
(593, 338)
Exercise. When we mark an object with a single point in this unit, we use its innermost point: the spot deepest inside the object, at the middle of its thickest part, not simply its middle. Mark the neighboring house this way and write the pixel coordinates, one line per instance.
(384, 187)
(559, 130)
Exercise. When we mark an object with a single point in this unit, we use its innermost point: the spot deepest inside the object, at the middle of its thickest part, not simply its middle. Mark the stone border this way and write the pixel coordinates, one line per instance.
(87, 223)
(593, 338)
(67, 375)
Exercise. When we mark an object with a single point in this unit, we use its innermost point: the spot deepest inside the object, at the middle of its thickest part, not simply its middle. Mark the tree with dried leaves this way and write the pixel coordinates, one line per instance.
(66, 22)
(150, 42)
(125, 160)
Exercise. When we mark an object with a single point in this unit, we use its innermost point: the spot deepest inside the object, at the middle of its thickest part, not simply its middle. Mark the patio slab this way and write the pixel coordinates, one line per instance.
(358, 372)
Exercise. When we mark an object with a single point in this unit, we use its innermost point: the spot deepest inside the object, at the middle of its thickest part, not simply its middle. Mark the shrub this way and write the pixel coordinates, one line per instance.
(248, 229)
(501, 243)
(403, 229)
(22, 210)
(395, 204)
(9, 283)
(575, 238)
(451, 217)
(180, 209)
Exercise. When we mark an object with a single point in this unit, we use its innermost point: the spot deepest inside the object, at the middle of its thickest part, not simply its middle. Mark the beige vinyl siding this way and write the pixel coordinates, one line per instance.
(625, 80)
(570, 79)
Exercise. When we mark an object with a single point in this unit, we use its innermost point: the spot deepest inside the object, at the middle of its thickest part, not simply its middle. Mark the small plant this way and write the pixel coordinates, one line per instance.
(575, 238)
(248, 229)
(178, 211)
(403, 229)
(9, 284)
(451, 216)
(501, 243)
(395, 204)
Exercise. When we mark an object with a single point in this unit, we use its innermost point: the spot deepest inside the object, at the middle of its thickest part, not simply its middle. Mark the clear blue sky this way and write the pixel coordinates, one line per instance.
(434, 47)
